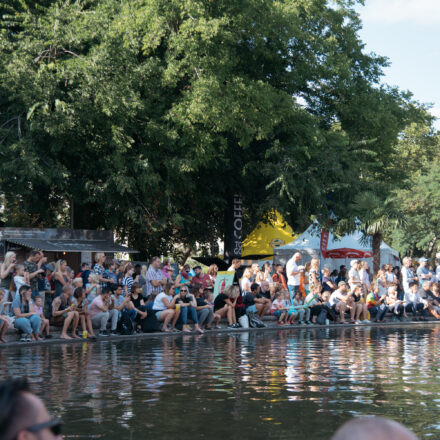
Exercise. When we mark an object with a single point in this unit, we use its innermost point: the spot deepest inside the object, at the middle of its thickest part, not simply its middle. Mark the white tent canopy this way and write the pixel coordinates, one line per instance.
(308, 244)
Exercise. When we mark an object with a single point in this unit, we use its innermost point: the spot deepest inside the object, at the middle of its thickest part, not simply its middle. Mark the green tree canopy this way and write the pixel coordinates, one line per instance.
(147, 115)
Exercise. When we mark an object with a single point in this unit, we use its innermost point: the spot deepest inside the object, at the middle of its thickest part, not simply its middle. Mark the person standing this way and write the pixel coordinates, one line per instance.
(99, 269)
(33, 267)
(407, 275)
(279, 277)
(354, 278)
(155, 278)
(423, 273)
(293, 273)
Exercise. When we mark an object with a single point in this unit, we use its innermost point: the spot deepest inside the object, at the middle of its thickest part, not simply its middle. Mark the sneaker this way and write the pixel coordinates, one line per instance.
(366, 321)
(232, 326)
(237, 325)
(358, 321)
(114, 333)
(24, 338)
(103, 333)
(308, 323)
(301, 322)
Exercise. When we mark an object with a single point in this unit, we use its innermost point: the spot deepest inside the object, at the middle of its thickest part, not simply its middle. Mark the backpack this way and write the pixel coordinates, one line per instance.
(255, 321)
(150, 324)
(125, 325)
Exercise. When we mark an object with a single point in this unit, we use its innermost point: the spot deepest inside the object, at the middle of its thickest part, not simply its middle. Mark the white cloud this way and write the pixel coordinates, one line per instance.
(425, 12)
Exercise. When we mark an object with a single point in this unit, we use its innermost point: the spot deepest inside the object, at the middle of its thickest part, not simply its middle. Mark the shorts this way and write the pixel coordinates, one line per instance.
(277, 313)
(252, 309)
(158, 313)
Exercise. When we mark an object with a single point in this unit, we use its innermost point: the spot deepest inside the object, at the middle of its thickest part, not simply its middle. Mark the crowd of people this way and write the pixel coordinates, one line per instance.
(113, 297)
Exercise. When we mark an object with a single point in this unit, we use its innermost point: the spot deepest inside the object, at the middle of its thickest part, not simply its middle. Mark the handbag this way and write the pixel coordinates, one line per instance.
(244, 321)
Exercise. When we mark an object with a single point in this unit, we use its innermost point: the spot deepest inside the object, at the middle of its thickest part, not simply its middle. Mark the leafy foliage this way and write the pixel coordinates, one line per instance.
(146, 116)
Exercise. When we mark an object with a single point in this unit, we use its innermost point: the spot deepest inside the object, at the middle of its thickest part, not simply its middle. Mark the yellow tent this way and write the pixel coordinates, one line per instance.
(268, 236)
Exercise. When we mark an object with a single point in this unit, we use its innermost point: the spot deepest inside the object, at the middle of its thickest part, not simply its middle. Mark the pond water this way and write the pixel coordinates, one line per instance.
(292, 384)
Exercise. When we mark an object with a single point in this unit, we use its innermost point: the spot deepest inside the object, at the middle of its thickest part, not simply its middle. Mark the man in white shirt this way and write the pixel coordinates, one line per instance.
(414, 302)
(235, 265)
(407, 274)
(339, 301)
(293, 272)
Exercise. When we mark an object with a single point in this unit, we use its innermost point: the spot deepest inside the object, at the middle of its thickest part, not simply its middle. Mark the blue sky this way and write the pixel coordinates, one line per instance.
(408, 33)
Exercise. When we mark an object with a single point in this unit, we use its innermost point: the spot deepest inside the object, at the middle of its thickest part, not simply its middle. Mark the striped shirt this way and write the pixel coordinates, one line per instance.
(127, 281)
(153, 274)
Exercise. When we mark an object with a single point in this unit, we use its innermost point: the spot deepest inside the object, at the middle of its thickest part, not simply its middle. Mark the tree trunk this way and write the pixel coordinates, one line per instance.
(186, 255)
(376, 242)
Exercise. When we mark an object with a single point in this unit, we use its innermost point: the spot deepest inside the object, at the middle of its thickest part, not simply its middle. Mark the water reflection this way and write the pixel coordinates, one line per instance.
(290, 384)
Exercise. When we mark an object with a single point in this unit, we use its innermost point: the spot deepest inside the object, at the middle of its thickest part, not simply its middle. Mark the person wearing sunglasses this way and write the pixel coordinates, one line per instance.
(23, 415)
(188, 306)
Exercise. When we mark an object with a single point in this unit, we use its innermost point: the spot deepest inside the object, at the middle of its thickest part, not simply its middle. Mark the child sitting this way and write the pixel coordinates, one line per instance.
(279, 309)
(38, 306)
(303, 311)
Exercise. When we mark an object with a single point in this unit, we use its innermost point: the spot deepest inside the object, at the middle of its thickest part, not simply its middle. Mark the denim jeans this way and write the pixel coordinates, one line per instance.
(28, 325)
(191, 311)
(378, 312)
(416, 307)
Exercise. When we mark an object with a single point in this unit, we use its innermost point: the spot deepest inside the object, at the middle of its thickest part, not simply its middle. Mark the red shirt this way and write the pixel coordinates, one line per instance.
(203, 281)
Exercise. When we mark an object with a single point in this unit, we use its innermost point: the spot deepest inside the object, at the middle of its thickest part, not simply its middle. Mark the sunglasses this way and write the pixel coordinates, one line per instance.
(53, 425)
(183, 290)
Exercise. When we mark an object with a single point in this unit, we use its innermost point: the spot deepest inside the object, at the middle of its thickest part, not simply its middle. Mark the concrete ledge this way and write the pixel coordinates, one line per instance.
(269, 321)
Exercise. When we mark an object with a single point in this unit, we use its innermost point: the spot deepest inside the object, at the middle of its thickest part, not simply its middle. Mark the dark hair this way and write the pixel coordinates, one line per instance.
(254, 286)
(197, 267)
(108, 263)
(134, 286)
(105, 290)
(137, 265)
(413, 283)
(154, 259)
(33, 253)
(78, 292)
(23, 288)
(84, 265)
(13, 406)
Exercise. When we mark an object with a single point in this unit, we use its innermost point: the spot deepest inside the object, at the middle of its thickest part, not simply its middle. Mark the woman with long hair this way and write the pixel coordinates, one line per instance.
(246, 280)
(60, 277)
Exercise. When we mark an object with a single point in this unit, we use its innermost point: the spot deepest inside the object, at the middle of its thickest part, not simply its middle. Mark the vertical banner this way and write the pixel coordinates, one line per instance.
(234, 226)
(324, 243)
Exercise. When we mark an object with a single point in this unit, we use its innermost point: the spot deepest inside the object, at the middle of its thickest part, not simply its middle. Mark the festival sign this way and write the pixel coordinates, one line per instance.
(223, 280)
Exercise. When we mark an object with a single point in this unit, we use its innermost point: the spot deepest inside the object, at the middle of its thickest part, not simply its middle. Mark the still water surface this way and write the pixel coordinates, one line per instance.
(297, 384)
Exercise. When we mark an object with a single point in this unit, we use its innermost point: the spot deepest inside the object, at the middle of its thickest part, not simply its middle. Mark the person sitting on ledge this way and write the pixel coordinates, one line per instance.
(255, 302)
(373, 428)
(376, 304)
(188, 305)
(164, 307)
(101, 311)
(394, 304)
(137, 304)
(224, 306)
(340, 302)
(64, 312)
(26, 318)
(414, 302)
